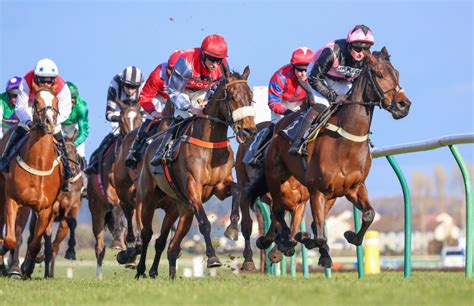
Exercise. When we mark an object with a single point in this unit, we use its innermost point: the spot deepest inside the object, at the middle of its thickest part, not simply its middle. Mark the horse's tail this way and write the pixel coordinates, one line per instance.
(257, 186)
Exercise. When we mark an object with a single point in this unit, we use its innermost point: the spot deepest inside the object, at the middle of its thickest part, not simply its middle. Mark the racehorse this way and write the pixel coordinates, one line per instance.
(125, 178)
(294, 195)
(34, 178)
(65, 211)
(103, 198)
(338, 160)
(203, 168)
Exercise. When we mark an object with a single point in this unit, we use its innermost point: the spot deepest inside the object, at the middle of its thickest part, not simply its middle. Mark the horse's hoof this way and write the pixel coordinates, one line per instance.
(302, 236)
(289, 252)
(70, 254)
(325, 262)
(39, 258)
(351, 237)
(14, 275)
(213, 262)
(122, 257)
(132, 254)
(153, 274)
(116, 245)
(275, 256)
(263, 243)
(232, 233)
(130, 265)
(248, 266)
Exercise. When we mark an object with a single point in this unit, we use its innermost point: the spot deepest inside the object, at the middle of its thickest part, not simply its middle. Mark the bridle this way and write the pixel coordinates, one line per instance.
(233, 115)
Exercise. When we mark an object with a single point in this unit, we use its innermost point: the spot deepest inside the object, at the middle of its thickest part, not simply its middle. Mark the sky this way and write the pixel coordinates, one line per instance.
(431, 43)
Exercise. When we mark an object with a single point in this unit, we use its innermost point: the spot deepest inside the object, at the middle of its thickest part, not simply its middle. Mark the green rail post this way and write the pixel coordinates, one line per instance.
(327, 271)
(304, 252)
(283, 266)
(266, 222)
(360, 254)
(406, 197)
(467, 189)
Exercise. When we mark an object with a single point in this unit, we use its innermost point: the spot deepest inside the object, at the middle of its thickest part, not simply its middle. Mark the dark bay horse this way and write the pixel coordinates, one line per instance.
(34, 178)
(338, 163)
(104, 202)
(294, 197)
(203, 168)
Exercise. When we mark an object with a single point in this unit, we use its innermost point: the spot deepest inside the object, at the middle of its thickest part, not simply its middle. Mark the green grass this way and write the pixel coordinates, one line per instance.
(118, 287)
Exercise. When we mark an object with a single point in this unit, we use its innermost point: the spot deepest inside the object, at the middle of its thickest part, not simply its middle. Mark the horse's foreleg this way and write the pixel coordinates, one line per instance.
(97, 210)
(21, 220)
(195, 202)
(148, 210)
(45, 216)
(130, 238)
(160, 243)
(11, 211)
(48, 250)
(318, 211)
(246, 227)
(360, 199)
(174, 248)
(222, 191)
(71, 249)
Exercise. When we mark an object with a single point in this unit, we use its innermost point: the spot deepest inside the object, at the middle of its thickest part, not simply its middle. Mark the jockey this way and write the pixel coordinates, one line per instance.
(77, 121)
(285, 95)
(152, 99)
(124, 87)
(191, 83)
(46, 75)
(8, 116)
(332, 72)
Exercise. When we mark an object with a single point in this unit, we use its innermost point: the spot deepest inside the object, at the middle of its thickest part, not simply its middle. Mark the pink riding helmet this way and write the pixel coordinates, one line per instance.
(360, 33)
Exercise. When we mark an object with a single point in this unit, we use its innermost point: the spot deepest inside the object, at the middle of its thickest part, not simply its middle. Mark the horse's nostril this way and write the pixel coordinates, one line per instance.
(402, 104)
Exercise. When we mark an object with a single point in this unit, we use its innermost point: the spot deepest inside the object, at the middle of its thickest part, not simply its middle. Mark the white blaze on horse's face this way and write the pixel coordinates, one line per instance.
(131, 117)
(48, 98)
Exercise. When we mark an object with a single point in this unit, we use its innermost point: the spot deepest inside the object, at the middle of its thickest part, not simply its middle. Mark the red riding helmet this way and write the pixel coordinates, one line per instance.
(302, 57)
(174, 58)
(215, 46)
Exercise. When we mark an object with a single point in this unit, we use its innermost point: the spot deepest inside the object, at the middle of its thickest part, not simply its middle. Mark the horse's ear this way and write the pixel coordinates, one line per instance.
(370, 57)
(35, 87)
(385, 54)
(120, 104)
(246, 73)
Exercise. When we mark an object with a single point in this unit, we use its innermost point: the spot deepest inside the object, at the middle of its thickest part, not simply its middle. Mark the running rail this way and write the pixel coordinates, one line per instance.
(446, 141)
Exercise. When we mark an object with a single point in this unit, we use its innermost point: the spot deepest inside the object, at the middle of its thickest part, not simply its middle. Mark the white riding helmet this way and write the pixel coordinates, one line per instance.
(46, 68)
(132, 76)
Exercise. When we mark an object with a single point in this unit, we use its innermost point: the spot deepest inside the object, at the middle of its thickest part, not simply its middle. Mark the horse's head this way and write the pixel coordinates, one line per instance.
(232, 102)
(130, 117)
(45, 108)
(385, 81)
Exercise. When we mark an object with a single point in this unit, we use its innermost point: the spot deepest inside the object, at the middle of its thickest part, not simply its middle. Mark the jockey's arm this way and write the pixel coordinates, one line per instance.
(112, 96)
(275, 92)
(319, 72)
(149, 91)
(64, 105)
(82, 123)
(22, 108)
(180, 76)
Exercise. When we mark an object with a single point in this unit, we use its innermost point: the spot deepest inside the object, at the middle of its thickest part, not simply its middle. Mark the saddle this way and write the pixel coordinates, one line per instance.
(179, 135)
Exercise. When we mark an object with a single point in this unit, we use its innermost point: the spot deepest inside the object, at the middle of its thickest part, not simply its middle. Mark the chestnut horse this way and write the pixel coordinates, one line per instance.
(338, 162)
(125, 178)
(65, 211)
(102, 195)
(295, 197)
(34, 178)
(203, 168)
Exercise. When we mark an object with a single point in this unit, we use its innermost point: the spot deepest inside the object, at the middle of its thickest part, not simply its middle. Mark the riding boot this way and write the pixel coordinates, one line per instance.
(18, 133)
(160, 152)
(94, 161)
(254, 153)
(302, 128)
(68, 174)
(131, 160)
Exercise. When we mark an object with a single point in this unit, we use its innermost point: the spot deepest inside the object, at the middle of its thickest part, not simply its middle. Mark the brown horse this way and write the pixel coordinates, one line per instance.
(203, 168)
(65, 211)
(103, 198)
(125, 178)
(294, 197)
(338, 162)
(34, 178)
